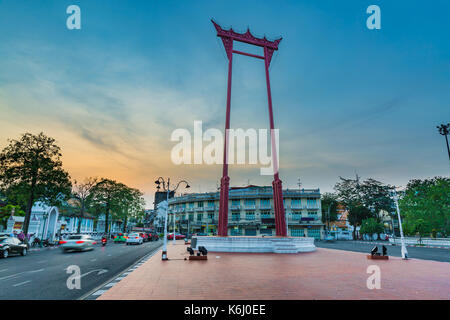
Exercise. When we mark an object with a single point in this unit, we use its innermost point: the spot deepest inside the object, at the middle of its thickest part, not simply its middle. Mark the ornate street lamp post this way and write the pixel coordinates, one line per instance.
(158, 183)
(444, 129)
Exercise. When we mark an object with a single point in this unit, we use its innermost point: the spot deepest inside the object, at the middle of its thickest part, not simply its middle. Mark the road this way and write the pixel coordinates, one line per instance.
(43, 274)
(435, 254)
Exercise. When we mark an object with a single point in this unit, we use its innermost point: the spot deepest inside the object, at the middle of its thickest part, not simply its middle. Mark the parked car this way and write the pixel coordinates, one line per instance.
(77, 242)
(11, 245)
(177, 236)
(144, 236)
(134, 238)
(121, 237)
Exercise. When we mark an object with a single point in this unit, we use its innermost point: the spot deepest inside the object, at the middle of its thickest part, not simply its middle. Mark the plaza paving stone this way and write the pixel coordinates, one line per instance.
(323, 274)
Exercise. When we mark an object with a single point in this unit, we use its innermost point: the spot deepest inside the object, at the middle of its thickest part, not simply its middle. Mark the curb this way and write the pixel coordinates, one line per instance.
(101, 289)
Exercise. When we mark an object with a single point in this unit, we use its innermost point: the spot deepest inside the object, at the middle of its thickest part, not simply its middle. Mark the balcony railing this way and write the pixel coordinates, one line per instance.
(235, 207)
(265, 207)
(190, 209)
(249, 207)
(210, 208)
(199, 209)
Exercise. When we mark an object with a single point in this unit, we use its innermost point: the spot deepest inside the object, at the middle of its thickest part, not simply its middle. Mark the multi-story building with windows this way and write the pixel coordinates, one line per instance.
(250, 212)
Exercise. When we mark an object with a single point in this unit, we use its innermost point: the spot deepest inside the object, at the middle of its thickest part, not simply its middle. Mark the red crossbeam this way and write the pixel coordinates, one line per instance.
(248, 54)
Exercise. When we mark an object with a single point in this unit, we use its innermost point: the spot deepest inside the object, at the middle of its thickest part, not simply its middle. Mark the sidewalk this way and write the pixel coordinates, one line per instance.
(323, 274)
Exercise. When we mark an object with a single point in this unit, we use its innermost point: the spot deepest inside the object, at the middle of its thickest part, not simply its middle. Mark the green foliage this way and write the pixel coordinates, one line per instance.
(31, 170)
(329, 205)
(371, 226)
(364, 199)
(117, 200)
(5, 213)
(426, 206)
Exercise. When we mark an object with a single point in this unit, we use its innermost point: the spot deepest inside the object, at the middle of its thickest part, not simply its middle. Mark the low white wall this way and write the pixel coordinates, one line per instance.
(440, 242)
(256, 244)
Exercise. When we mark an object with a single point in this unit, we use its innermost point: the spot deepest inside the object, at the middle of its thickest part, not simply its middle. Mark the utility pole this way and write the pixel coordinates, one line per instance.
(444, 129)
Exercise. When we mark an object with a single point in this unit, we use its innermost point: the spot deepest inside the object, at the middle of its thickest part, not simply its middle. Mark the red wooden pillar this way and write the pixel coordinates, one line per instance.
(225, 181)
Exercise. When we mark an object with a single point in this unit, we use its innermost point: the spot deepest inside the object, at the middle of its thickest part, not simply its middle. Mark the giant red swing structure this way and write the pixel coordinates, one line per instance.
(228, 37)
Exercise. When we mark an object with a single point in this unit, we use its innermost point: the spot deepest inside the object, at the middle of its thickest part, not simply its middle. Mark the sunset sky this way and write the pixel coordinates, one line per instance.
(346, 99)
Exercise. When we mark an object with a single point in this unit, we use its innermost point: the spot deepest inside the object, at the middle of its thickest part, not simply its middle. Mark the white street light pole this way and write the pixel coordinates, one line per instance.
(164, 251)
(402, 239)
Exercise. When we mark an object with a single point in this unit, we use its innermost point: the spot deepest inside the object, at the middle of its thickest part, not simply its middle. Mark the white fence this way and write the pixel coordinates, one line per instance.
(440, 242)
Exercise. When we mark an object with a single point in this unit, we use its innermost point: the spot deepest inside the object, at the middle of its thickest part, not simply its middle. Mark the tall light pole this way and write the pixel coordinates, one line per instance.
(158, 183)
(444, 129)
(402, 239)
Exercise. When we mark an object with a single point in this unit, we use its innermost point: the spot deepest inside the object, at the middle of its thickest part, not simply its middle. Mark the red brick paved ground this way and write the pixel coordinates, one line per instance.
(323, 274)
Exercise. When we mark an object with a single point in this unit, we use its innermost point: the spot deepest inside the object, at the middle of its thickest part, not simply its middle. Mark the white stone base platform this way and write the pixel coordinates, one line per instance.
(255, 244)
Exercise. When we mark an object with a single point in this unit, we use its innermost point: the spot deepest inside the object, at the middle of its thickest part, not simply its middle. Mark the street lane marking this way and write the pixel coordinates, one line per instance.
(93, 260)
(42, 261)
(3, 270)
(17, 274)
(19, 284)
(111, 284)
(99, 292)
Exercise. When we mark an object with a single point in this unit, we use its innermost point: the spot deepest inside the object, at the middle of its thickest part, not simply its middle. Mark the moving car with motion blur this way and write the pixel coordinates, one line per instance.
(144, 236)
(134, 238)
(178, 236)
(121, 237)
(152, 236)
(78, 242)
(12, 245)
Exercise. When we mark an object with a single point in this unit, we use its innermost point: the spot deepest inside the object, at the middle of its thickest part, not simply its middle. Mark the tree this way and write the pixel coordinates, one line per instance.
(376, 196)
(81, 194)
(356, 215)
(115, 199)
(329, 207)
(429, 200)
(5, 213)
(31, 170)
(371, 226)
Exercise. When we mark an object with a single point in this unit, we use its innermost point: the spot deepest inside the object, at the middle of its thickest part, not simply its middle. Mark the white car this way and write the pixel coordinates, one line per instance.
(134, 238)
(79, 242)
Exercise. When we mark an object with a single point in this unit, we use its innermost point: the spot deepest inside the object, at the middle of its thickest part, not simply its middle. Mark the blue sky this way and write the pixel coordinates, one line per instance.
(345, 98)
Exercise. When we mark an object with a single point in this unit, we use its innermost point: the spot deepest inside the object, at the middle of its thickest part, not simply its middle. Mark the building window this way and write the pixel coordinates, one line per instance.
(297, 232)
(296, 216)
(235, 202)
(199, 216)
(312, 214)
(211, 216)
(200, 204)
(236, 232)
(314, 233)
(236, 216)
(265, 202)
(191, 205)
(210, 204)
(191, 217)
(265, 215)
(250, 216)
(296, 203)
(249, 202)
(312, 202)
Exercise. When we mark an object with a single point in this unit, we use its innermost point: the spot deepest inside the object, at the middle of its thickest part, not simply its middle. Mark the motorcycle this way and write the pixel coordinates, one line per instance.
(48, 243)
(104, 240)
